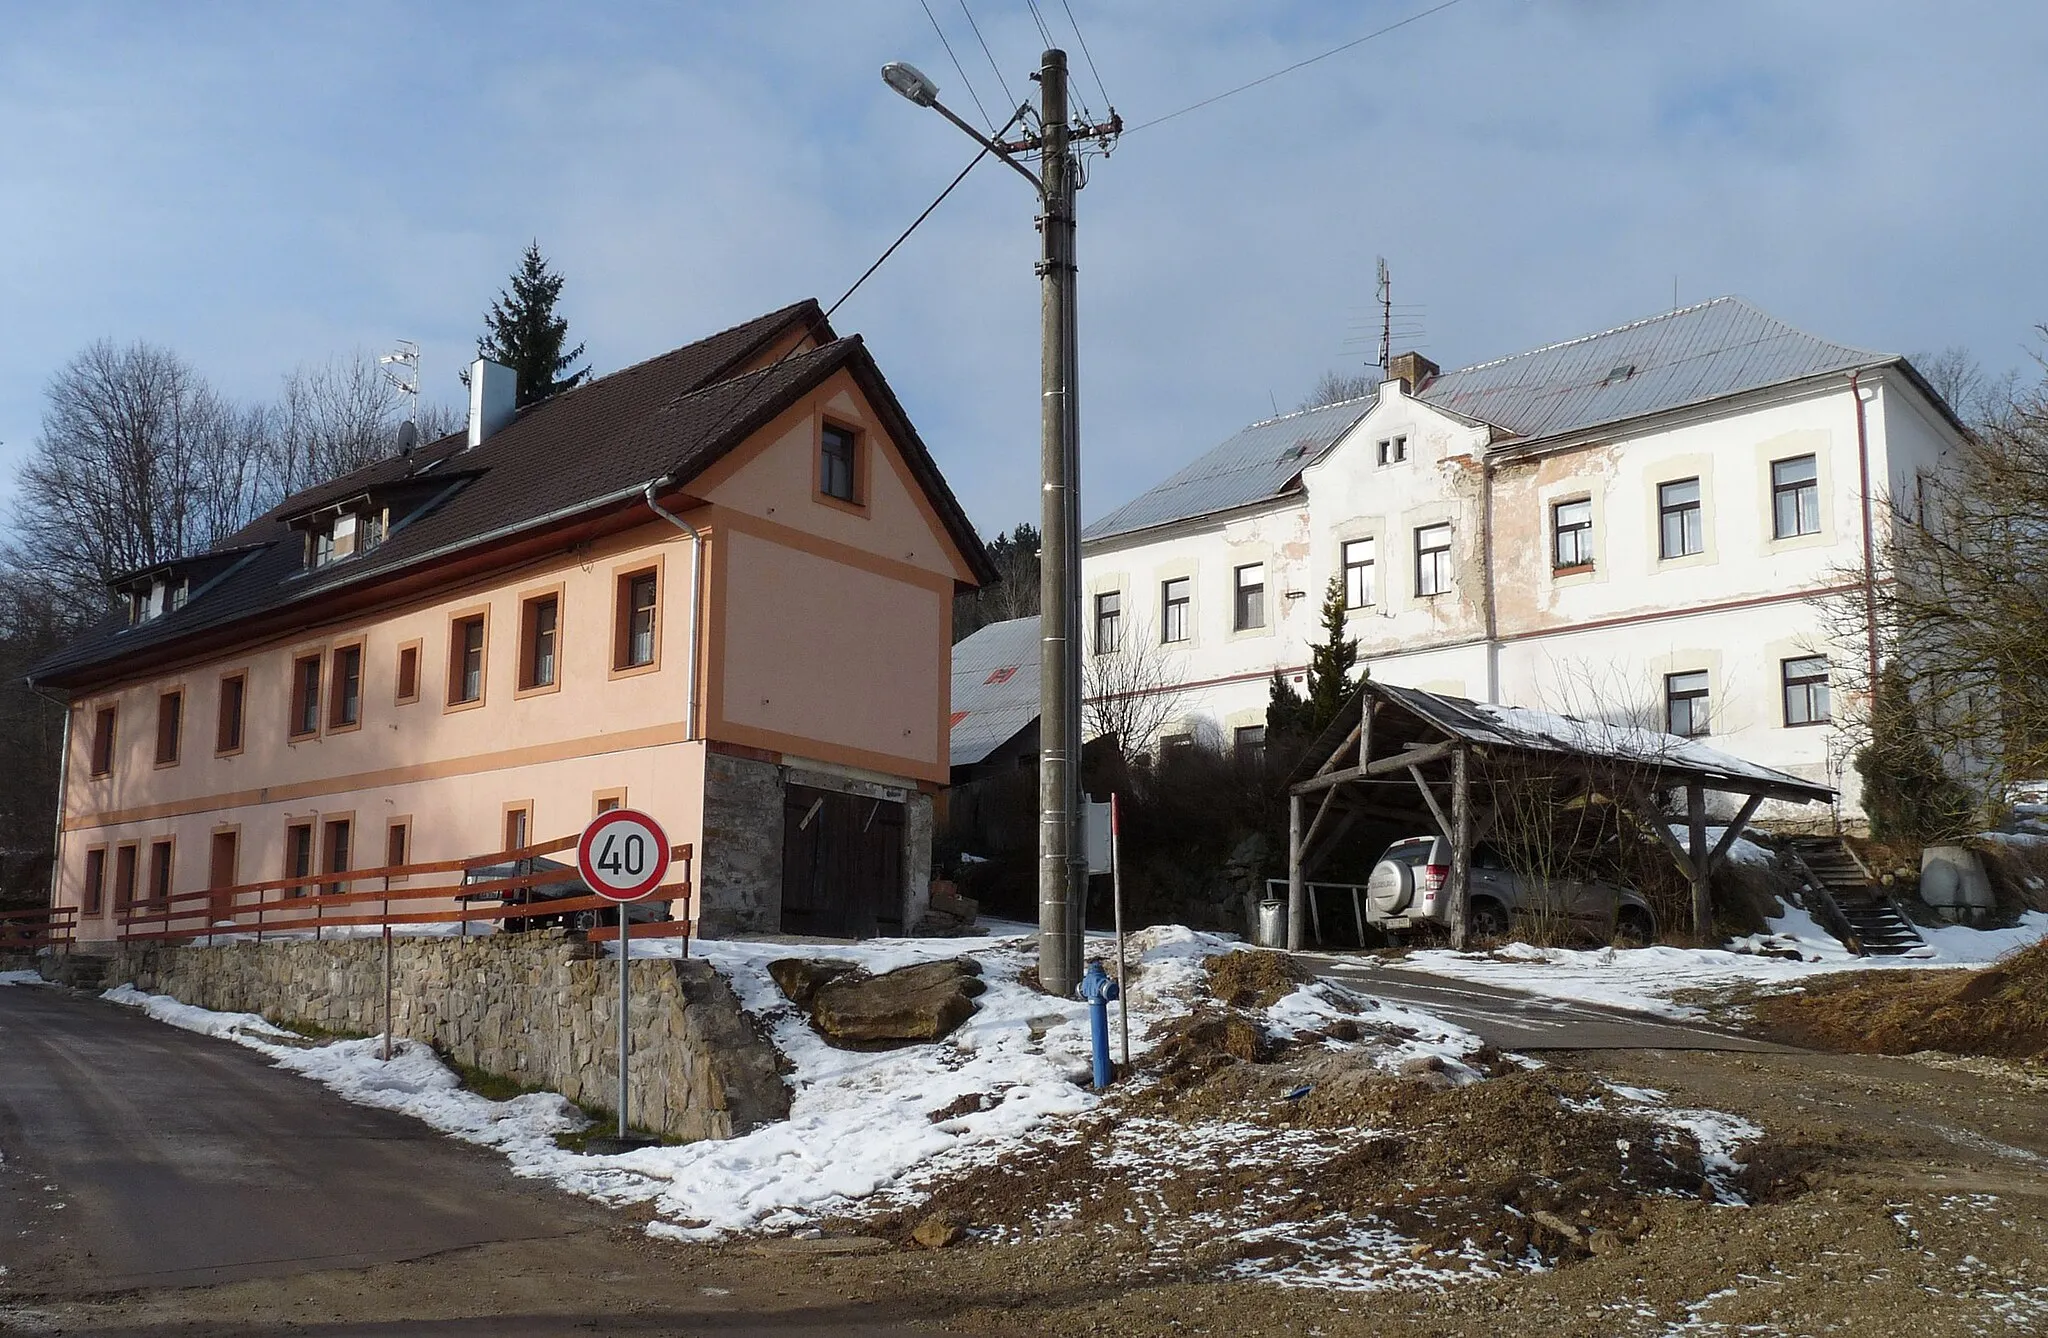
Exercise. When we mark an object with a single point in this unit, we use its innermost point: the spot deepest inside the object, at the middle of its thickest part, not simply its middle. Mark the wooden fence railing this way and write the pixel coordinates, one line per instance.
(37, 928)
(337, 899)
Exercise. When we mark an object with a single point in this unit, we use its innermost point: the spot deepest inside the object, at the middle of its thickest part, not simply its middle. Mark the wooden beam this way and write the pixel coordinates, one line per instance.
(1461, 846)
(1309, 837)
(1337, 753)
(1702, 888)
(1443, 824)
(1734, 830)
(1368, 708)
(1646, 809)
(1297, 894)
(1413, 757)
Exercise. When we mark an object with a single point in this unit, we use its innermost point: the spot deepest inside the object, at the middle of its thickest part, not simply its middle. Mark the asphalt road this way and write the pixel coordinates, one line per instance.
(137, 1159)
(1514, 1020)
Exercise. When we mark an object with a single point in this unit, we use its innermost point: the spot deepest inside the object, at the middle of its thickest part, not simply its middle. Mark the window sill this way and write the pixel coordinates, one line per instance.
(470, 705)
(311, 737)
(344, 729)
(841, 504)
(162, 765)
(1808, 724)
(538, 690)
(1576, 569)
(226, 752)
(635, 670)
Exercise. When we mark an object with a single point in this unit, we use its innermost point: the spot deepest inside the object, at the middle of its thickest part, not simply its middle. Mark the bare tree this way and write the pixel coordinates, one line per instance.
(138, 461)
(332, 418)
(1977, 396)
(1132, 692)
(1961, 596)
(1334, 387)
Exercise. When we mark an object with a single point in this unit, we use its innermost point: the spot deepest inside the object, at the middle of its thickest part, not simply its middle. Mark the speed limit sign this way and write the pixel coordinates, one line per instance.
(623, 855)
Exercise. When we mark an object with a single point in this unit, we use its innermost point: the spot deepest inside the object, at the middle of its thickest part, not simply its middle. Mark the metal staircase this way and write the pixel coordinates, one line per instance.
(1848, 902)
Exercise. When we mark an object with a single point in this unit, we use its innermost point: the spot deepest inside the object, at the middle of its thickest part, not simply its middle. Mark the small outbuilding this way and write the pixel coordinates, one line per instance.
(1461, 767)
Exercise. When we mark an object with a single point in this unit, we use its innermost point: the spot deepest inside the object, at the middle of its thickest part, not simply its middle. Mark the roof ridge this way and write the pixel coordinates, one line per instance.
(1636, 324)
(1298, 413)
(767, 316)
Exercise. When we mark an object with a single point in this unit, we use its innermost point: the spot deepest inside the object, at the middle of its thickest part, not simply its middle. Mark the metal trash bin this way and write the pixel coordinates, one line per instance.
(1272, 931)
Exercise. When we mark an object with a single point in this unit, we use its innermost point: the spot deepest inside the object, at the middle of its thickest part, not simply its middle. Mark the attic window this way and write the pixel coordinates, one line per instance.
(1620, 372)
(344, 533)
(162, 596)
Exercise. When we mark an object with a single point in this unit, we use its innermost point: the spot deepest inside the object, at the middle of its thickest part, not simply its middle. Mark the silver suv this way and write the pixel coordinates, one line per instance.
(1406, 892)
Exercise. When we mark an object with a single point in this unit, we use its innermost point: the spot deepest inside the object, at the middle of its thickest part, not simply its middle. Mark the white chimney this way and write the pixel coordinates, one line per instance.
(493, 398)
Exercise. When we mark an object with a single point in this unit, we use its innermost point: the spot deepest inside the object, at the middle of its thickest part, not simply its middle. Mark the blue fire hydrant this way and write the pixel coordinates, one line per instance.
(1098, 989)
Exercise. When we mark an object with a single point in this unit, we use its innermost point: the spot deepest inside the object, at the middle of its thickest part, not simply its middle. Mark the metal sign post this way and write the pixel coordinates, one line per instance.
(1116, 884)
(623, 856)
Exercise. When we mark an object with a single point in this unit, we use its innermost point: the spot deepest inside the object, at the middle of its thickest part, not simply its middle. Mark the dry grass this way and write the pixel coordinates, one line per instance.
(2001, 1010)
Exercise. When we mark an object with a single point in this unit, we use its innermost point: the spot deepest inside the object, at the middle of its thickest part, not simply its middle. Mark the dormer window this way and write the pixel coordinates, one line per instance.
(162, 595)
(344, 533)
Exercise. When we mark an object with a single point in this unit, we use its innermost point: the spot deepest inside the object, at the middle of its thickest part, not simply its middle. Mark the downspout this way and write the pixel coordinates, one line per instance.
(1869, 529)
(696, 591)
(63, 780)
(1486, 563)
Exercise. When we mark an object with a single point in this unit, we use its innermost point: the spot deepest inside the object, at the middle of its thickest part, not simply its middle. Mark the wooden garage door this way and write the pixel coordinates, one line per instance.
(842, 864)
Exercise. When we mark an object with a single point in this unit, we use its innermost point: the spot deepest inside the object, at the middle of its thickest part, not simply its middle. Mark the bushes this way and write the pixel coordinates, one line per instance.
(1907, 793)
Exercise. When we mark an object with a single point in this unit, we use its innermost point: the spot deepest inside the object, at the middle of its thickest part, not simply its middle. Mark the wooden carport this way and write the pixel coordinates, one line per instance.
(1407, 755)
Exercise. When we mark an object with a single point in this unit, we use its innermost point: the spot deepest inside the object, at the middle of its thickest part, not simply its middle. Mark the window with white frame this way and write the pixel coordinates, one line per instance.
(1393, 450)
(1109, 622)
(1358, 573)
(1174, 598)
(1432, 559)
(1686, 704)
(1681, 532)
(1806, 690)
(1571, 527)
(1795, 497)
(1248, 607)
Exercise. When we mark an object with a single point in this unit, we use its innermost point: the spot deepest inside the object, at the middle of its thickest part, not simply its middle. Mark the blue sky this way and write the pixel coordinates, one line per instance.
(258, 185)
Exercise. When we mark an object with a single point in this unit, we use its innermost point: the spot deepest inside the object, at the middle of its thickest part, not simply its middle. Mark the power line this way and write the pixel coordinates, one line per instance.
(1335, 50)
(956, 66)
(763, 378)
(1089, 55)
(1003, 83)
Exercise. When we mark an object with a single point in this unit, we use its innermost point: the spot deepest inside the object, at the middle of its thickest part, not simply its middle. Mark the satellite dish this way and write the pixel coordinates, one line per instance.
(408, 436)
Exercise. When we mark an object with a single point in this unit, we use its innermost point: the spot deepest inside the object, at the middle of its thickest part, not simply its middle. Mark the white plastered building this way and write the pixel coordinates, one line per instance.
(1663, 522)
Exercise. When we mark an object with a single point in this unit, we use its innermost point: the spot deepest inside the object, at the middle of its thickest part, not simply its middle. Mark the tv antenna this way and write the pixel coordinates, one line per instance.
(402, 370)
(1385, 297)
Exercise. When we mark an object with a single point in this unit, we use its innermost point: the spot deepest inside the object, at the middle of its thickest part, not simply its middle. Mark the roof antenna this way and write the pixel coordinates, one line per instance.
(407, 356)
(1674, 292)
(1386, 301)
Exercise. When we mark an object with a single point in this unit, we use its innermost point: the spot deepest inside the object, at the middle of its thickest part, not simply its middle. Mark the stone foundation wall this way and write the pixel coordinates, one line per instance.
(535, 1008)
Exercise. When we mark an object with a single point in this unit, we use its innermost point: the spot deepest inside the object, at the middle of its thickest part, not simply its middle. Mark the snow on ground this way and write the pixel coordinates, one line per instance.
(859, 1121)
(21, 978)
(1644, 979)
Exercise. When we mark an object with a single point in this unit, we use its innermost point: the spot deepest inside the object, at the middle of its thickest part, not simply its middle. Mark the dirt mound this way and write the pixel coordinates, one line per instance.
(1319, 1163)
(2000, 1010)
(1256, 978)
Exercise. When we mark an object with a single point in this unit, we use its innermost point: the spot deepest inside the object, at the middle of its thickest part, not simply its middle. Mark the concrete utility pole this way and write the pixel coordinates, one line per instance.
(1062, 857)
(1062, 851)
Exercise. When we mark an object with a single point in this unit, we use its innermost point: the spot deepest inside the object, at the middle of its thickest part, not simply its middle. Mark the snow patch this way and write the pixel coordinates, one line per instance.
(21, 978)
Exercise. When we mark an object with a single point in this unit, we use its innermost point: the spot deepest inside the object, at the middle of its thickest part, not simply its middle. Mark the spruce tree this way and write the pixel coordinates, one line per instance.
(1330, 663)
(1290, 717)
(522, 331)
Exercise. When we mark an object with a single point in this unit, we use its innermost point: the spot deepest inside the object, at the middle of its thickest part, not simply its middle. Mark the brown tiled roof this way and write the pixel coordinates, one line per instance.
(578, 452)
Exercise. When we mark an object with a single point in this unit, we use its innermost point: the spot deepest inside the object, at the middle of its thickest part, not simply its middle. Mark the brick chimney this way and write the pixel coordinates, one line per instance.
(1412, 370)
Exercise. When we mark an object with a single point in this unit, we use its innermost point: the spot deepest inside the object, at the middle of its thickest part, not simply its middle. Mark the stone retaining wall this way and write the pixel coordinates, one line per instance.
(535, 1008)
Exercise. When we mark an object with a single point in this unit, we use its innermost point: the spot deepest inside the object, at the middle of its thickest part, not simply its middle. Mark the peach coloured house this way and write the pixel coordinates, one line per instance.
(716, 586)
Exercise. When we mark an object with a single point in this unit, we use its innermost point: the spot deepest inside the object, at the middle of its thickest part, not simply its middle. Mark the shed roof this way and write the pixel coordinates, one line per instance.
(1665, 758)
(1672, 360)
(567, 456)
(995, 688)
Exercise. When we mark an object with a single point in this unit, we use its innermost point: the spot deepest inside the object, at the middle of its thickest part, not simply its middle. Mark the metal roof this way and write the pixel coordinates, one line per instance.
(1257, 463)
(1660, 758)
(1669, 361)
(995, 688)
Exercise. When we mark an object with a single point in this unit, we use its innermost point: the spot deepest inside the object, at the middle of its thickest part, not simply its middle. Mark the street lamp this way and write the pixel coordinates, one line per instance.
(1062, 853)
